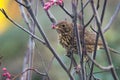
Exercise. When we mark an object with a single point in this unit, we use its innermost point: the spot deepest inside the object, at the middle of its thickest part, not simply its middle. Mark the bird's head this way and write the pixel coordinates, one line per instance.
(63, 27)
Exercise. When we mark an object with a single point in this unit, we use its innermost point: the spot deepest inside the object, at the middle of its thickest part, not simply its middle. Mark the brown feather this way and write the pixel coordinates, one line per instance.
(68, 41)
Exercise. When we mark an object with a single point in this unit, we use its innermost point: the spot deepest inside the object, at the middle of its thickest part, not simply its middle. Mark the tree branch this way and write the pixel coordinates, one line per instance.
(104, 42)
(98, 4)
(76, 33)
(65, 10)
(112, 18)
(29, 9)
(29, 69)
(37, 38)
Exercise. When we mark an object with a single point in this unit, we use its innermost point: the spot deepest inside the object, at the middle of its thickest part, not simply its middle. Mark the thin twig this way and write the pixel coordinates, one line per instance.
(112, 18)
(99, 66)
(97, 36)
(24, 14)
(36, 8)
(93, 29)
(83, 41)
(103, 11)
(104, 71)
(30, 49)
(46, 40)
(20, 3)
(50, 64)
(95, 47)
(104, 42)
(24, 29)
(29, 69)
(65, 10)
(85, 5)
(43, 62)
(98, 4)
(76, 33)
(94, 55)
(73, 61)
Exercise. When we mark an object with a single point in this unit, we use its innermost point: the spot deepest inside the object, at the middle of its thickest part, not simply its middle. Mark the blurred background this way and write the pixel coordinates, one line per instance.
(13, 41)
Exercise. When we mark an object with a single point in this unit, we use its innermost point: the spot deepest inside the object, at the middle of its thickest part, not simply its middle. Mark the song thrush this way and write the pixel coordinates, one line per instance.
(68, 40)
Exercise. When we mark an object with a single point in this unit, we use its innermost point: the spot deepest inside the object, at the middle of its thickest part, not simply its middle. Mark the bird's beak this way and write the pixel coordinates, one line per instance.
(55, 27)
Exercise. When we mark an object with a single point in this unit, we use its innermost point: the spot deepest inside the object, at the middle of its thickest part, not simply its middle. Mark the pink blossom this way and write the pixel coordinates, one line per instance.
(6, 74)
(53, 26)
(52, 2)
(4, 69)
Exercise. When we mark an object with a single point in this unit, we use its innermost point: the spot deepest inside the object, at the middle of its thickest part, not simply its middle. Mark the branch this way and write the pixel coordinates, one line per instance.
(104, 42)
(31, 44)
(24, 14)
(98, 4)
(84, 52)
(65, 10)
(29, 9)
(96, 43)
(103, 11)
(112, 18)
(34, 36)
(99, 66)
(76, 33)
(104, 71)
(29, 69)
(85, 5)
(94, 55)
(21, 3)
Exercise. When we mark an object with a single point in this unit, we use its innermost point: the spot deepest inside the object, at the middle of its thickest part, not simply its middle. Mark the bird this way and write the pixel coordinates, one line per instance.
(68, 40)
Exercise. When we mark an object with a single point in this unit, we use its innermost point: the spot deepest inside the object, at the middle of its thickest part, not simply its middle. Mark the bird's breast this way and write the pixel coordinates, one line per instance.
(65, 41)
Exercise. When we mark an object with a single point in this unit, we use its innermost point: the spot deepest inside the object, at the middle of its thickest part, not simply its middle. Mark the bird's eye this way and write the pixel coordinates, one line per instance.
(63, 25)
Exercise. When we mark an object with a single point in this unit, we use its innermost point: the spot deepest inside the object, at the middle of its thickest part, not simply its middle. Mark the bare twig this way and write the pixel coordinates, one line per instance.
(73, 61)
(93, 29)
(104, 71)
(36, 8)
(43, 63)
(30, 49)
(37, 38)
(24, 14)
(29, 69)
(85, 5)
(0, 59)
(98, 2)
(65, 10)
(94, 55)
(50, 63)
(95, 47)
(76, 33)
(103, 11)
(99, 66)
(97, 40)
(104, 42)
(112, 18)
(83, 42)
(46, 40)
(21, 3)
